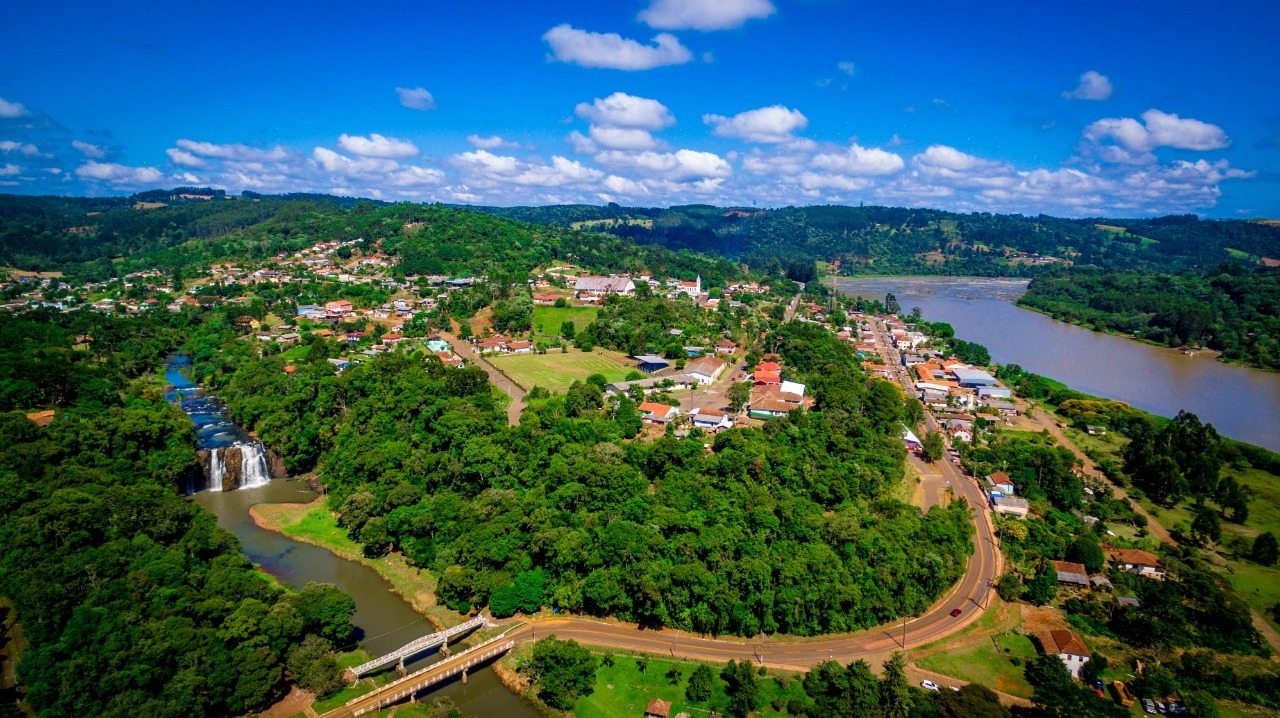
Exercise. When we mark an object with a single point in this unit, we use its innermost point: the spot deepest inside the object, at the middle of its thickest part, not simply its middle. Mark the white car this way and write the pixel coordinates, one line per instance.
(929, 685)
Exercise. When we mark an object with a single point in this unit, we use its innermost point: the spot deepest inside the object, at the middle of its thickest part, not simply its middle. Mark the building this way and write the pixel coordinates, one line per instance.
(1068, 647)
(437, 345)
(974, 378)
(492, 344)
(520, 347)
(1073, 574)
(706, 370)
(339, 308)
(724, 346)
(1001, 482)
(657, 413)
(1010, 505)
(711, 419)
(1143, 563)
(911, 441)
(596, 287)
(657, 708)
(768, 402)
(650, 363)
(994, 392)
(673, 381)
(544, 300)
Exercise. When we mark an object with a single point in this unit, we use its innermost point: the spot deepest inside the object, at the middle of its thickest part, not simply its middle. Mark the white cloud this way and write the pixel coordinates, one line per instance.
(416, 98)
(414, 176)
(182, 158)
(375, 145)
(118, 174)
(25, 149)
(623, 110)
(492, 142)
(89, 150)
(942, 157)
(846, 67)
(236, 151)
(859, 161)
(1093, 86)
(624, 186)
(1158, 129)
(582, 144)
(766, 124)
(622, 138)
(703, 14)
(11, 109)
(361, 166)
(9, 170)
(678, 166)
(612, 51)
(487, 162)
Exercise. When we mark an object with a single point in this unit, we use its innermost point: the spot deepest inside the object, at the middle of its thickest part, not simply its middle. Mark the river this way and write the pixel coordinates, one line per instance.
(1240, 402)
(385, 621)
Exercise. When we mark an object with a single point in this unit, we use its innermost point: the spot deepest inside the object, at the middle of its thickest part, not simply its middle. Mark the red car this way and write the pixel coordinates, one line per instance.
(955, 612)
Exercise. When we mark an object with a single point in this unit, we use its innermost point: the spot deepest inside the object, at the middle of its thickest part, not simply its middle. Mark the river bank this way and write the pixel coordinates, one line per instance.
(314, 524)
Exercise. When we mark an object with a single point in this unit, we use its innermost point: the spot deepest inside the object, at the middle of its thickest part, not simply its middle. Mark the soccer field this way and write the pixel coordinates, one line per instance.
(547, 320)
(556, 371)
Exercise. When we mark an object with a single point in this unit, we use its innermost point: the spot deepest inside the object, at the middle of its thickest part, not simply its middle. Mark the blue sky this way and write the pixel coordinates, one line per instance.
(1079, 109)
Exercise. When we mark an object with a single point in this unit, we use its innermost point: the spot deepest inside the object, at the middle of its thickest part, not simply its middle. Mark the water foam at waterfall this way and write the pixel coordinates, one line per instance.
(253, 466)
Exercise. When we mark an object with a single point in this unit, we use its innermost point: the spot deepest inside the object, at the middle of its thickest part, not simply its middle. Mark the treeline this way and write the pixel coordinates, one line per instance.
(786, 529)
(132, 598)
(1231, 308)
(898, 240)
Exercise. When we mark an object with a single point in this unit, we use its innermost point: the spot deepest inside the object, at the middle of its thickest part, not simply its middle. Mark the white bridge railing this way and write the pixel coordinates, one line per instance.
(419, 645)
(418, 680)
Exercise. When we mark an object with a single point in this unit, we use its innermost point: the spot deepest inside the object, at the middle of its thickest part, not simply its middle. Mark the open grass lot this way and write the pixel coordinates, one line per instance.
(547, 320)
(989, 663)
(623, 689)
(556, 370)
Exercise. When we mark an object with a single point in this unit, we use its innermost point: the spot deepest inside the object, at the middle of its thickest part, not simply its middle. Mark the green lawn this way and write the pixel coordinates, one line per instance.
(989, 663)
(623, 690)
(319, 526)
(547, 320)
(556, 371)
(340, 698)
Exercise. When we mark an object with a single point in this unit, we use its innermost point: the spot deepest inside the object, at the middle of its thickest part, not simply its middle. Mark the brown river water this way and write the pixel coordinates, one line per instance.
(1240, 402)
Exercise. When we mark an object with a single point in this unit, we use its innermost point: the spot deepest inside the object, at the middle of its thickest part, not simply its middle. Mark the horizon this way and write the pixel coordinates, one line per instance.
(1009, 110)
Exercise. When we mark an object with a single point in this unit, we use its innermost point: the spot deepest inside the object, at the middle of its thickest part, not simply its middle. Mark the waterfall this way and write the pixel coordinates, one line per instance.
(253, 465)
(215, 470)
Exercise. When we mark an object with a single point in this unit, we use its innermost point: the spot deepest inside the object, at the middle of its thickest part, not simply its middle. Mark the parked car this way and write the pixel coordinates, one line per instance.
(1148, 706)
(929, 685)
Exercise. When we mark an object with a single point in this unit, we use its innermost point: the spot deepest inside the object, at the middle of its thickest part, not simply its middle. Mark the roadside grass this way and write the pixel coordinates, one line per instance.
(624, 689)
(548, 320)
(1258, 586)
(295, 353)
(990, 663)
(337, 700)
(555, 371)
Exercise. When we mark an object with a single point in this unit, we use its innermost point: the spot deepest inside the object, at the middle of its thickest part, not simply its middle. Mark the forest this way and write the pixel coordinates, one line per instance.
(133, 600)
(1232, 309)
(790, 528)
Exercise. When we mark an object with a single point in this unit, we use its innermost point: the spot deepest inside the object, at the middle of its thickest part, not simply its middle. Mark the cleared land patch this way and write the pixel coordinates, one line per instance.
(556, 371)
(548, 320)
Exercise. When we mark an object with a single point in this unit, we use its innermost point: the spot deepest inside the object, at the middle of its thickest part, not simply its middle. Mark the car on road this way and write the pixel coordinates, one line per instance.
(955, 612)
(929, 685)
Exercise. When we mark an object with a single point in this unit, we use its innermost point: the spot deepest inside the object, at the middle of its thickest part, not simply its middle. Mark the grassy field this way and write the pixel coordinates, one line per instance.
(547, 320)
(989, 663)
(556, 371)
(623, 689)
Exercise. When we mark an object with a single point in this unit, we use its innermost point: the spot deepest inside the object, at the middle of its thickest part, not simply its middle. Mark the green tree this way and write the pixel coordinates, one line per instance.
(568, 330)
(843, 691)
(971, 701)
(1094, 669)
(563, 671)
(933, 446)
(325, 610)
(739, 394)
(701, 683)
(1266, 550)
(1009, 587)
(1206, 526)
(742, 688)
(628, 418)
(1044, 587)
(1085, 550)
(896, 694)
(314, 666)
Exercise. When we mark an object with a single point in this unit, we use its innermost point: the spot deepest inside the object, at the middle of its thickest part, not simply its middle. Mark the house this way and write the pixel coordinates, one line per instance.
(339, 308)
(673, 381)
(290, 338)
(1001, 482)
(724, 346)
(437, 345)
(706, 370)
(767, 403)
(911, 441)
(1068, 647)
(657, 413)
(492, 344)
(650, 363)
(520, 347)
(1006, 408)
(340, 363)
(392, 338)
(993, 392)
(1073, 574)
(1143, 563)
(544, 300)
(657, 708)
(711, 419)
(1010, 505)
(41, 418)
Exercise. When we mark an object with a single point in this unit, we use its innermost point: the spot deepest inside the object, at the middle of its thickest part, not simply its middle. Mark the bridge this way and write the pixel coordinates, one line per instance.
(420, 680)
(419, 645)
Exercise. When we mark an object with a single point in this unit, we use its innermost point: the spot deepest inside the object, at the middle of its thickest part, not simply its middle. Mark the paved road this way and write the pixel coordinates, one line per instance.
(791, 308)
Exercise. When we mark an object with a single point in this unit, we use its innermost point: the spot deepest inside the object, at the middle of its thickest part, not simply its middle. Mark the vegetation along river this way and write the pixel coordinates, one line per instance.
(384, 620)
(1240, 402)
